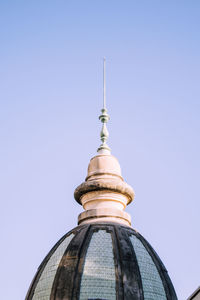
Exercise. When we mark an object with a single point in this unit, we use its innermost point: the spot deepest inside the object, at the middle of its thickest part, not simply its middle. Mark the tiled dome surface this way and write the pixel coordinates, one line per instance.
(102, 261)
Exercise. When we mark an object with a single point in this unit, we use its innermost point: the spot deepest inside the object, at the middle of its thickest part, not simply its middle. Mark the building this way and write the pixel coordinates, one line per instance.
(195, 295)
(103, 257)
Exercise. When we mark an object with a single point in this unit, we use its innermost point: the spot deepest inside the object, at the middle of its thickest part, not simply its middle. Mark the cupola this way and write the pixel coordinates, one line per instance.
(103, 258)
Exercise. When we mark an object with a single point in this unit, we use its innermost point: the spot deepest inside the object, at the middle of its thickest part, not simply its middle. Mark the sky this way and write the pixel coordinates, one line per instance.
(50, 98)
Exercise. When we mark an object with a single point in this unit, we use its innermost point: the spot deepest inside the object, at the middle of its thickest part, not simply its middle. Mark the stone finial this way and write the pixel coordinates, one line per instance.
(104, 195)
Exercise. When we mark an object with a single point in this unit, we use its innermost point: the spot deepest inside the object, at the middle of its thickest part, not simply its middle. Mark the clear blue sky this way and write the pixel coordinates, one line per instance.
(51, 94)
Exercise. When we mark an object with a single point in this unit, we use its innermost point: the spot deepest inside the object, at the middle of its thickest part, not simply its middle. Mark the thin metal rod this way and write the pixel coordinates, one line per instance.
(104, 117)
(104, 83)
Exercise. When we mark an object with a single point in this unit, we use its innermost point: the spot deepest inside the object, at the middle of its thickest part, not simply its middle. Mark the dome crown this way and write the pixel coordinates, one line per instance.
(104, 194)
(103, 164)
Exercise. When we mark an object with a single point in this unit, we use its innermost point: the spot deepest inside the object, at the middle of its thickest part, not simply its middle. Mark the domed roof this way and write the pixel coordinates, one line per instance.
(103, 258)
(102, 261)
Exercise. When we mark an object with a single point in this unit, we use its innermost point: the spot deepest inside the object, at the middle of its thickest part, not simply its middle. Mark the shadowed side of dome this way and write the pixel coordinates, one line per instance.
(102, 261)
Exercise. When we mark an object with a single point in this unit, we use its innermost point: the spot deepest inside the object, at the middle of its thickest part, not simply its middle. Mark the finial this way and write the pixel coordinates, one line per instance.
(104, 117)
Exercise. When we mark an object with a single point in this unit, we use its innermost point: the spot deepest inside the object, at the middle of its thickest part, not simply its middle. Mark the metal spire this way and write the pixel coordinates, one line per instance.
(104, 83)
(104, 117)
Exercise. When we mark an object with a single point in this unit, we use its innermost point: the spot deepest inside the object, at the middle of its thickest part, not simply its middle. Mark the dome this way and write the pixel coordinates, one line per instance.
(103, 258)
(102, 261)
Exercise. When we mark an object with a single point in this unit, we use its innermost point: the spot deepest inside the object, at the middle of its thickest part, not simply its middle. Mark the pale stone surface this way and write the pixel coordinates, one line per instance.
(104, 194)
(103, 164)
(195, 295)
(104, 199)
(105, 214)
(106, 220)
